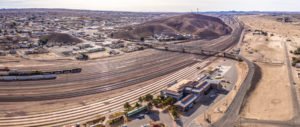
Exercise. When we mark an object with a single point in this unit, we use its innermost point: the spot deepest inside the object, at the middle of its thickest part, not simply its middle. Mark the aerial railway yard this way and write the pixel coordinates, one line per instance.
(101, 76)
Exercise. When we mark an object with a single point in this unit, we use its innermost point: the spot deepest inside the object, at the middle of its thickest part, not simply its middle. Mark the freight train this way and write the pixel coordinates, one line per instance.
(7, 75)
(31, 73)
(27, 78)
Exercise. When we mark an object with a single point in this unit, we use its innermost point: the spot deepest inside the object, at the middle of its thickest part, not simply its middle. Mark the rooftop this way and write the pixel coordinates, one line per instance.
(179, 86)
(187, 100)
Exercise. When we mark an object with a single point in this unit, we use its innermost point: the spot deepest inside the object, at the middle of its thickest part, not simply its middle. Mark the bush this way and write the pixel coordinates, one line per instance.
(295, 60)
(297, 51)
(142, 39)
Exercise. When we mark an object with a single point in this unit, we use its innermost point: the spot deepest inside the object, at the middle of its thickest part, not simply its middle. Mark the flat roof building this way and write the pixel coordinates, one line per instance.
(176, 90)
(179, 86)
(199, 89)
(187, 102)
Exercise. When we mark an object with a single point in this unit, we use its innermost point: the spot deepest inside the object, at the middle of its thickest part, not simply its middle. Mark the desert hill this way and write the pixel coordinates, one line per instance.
(59, 39)
(199, 26)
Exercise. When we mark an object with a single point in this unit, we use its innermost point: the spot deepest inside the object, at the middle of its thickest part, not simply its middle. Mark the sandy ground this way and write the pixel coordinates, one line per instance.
(271, 99)
(257, 125)
(267, 23)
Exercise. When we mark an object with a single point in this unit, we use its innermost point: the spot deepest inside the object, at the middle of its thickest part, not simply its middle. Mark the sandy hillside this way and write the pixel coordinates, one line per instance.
(193, 24)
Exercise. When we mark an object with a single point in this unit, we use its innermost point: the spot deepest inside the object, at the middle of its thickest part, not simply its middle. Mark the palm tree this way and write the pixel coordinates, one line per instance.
(150, 105)
(174, 111)
(140, 99)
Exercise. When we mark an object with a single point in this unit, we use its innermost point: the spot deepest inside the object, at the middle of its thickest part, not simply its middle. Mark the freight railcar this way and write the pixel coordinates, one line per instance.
(28, 78)
(29, 73)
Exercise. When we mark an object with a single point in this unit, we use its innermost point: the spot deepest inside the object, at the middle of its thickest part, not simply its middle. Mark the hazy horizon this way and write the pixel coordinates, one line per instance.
(157, 6)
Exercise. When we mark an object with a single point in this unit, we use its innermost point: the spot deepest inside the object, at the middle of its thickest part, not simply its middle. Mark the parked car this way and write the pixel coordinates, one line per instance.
(212, 96)
(145, 125)
(140, 116)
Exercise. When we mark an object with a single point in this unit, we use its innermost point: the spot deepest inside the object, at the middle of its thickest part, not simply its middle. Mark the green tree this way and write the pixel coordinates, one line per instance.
(141, 99)
(14, 24)
(156, 102)
(150, 105)
(43, 41)
(137, 105)
(149, 97)
(168, 101)
(127, 106)
(161, 97)
(174, 111)
(112, 35)
(142, 39)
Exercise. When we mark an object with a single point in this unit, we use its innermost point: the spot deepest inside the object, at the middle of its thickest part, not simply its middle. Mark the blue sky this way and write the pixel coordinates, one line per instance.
(159, 5)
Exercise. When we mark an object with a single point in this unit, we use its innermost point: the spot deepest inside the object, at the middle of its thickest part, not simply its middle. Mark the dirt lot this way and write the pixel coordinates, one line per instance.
(258, 125)
(271, 99)
(269, 24)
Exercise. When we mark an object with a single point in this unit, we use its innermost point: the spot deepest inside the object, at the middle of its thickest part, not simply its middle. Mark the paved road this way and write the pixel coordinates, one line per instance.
(153, 116)
(231, 116)
(292, 82)
(232, 113)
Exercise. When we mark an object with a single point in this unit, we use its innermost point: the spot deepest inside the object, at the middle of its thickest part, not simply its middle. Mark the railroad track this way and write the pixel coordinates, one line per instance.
(85, 113)
(88, 76)
(92, 72)
(94, 83)
(91, 111)
(99, 89)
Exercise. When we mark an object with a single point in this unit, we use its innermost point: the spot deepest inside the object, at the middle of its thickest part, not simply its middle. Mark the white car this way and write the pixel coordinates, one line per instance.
(146, 125)
(212, 96)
